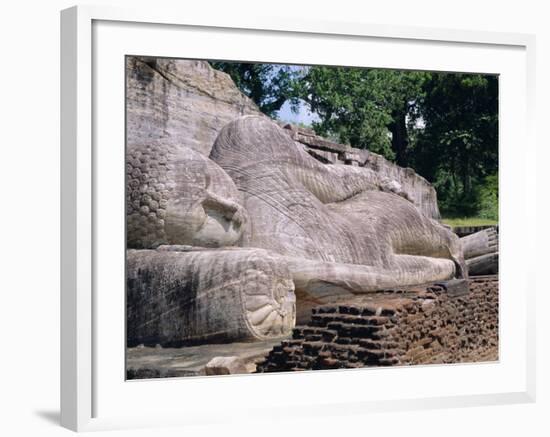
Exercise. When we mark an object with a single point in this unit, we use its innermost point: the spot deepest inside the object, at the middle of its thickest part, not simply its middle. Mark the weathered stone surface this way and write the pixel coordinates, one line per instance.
(480, 243)
(421, 325)
(454, 287)
(418, 189)
(176, 298)
(337, 230)
(463, 231)
(481, 252)
(175, 195)
(181, 102)
(225, 366)
(483, 265)
(403, 181)
(155, 362)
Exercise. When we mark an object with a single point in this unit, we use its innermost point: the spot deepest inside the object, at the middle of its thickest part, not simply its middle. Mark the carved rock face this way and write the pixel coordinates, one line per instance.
(177, 196)
(306, 230)
(181, 102)
(333, 222)
(186, 295)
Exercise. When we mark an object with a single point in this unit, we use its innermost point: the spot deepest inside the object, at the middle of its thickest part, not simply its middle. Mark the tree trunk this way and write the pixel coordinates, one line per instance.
(399, 140)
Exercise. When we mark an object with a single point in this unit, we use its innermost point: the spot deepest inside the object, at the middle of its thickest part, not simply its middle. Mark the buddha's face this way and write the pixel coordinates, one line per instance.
(204, 208)
(209, 221)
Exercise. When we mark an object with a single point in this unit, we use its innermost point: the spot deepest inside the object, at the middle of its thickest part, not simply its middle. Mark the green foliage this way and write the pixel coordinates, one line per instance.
(488, 198)
(444, 125)
(268, 85)
(458, 146)
(469, 221)
(362, 107)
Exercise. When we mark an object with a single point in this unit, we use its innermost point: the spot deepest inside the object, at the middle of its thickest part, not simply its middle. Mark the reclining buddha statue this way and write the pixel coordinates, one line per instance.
(243, 237)
(332, 224)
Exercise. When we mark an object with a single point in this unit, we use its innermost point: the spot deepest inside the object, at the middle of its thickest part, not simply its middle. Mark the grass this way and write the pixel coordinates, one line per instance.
(468, 221)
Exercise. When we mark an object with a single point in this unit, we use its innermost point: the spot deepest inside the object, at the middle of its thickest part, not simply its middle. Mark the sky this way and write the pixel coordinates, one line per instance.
(303, 116)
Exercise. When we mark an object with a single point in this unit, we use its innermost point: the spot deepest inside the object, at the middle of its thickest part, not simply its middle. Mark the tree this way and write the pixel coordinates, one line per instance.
(406, 92)
(268, 85)
(458, 147)
(367, 108)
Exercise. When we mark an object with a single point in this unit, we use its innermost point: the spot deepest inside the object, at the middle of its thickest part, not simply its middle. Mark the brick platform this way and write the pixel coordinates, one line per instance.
(432, 324)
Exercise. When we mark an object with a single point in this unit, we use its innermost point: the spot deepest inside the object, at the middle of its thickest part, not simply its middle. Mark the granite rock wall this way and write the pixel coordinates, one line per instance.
(181, 102)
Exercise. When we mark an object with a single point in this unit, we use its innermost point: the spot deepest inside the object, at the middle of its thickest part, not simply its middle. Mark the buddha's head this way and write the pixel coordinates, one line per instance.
(177, 196)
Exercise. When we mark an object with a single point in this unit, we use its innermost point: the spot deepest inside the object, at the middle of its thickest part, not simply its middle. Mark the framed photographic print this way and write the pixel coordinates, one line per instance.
(256, 209)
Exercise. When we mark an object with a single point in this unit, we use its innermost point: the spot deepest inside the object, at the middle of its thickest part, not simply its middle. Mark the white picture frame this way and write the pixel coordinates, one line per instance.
(89, 372)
